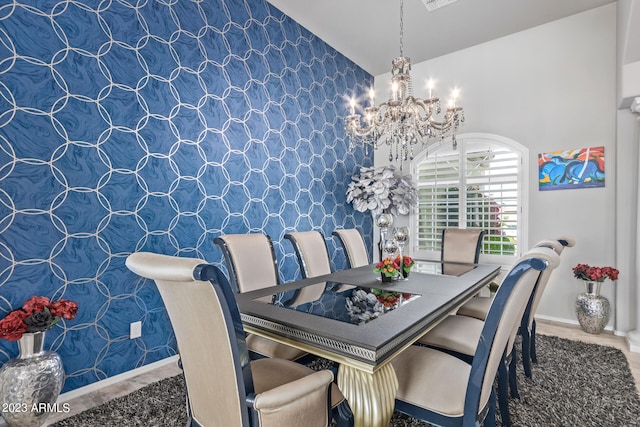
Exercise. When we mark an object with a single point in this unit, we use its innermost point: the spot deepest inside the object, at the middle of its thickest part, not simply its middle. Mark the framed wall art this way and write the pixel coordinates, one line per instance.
(575, 168)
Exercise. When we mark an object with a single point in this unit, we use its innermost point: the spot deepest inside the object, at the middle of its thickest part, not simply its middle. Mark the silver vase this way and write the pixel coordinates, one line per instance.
(592, 309)
(30, 383)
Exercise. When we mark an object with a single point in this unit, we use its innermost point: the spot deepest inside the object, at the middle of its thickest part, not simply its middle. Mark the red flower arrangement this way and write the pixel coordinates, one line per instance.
(37, 314)
(594, 274)
(406, 264)
(388, 267)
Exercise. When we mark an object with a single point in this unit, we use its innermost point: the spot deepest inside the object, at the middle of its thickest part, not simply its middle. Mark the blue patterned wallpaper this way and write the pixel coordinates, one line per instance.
(156, 126)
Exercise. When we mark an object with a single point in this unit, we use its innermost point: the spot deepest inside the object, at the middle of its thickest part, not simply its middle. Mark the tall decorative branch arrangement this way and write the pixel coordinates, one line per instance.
(382, 190)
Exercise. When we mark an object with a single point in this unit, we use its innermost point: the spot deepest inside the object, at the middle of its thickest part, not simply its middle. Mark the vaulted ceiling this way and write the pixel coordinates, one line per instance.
(368, 31)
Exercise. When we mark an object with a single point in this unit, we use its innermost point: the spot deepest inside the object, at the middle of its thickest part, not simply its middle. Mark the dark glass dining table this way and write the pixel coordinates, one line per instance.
(361, 322)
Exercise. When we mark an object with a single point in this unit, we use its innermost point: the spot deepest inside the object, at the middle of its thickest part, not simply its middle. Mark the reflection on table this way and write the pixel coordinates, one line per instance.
(351, 304)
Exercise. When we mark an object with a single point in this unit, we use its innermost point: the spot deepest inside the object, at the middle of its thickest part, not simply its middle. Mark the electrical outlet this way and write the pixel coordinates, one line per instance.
(135, 330)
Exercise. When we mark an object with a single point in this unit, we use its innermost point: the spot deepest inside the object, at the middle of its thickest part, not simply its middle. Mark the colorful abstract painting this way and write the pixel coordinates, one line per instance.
(578, 168)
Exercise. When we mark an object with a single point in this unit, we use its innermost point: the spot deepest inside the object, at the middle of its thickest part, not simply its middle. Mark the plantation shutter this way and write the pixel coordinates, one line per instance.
(492, 198)
(476, 187)
(438, 179)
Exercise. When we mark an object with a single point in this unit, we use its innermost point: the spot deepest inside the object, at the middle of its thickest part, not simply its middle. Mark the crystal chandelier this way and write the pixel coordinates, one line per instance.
(403, 120)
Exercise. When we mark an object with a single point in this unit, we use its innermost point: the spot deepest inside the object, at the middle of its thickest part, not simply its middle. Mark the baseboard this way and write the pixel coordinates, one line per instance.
(64, 397)
(633, 339)
(565, 322)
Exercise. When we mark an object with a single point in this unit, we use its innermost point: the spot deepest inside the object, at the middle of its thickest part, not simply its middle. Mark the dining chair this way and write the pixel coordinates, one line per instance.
(313, 258)
(251, 264)
(250, 259)
(459, 335)
(354, 247)
(311, 251)
(566, 242)
(461, 245)
(439, 388)
(225, 388)
(478, 306)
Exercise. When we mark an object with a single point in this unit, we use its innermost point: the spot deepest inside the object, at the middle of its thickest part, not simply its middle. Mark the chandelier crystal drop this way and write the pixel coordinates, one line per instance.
(403, 120)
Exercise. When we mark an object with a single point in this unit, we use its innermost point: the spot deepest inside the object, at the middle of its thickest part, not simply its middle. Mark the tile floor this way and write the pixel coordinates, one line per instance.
(89, 400)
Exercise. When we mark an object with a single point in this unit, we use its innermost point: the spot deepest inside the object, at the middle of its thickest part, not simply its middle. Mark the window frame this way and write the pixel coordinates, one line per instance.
(464, 140)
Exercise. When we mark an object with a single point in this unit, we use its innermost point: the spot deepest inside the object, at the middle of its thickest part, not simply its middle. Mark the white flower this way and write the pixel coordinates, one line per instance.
(379, 190)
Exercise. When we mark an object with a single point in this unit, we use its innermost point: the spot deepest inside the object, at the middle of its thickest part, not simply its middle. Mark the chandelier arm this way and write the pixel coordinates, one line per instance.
(426, 104)
(444, 126)
(361, 131)
(424, 109)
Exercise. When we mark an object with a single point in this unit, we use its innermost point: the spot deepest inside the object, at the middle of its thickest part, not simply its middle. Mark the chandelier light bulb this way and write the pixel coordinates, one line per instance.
(430, 85)
(454, 95)
(372, 96)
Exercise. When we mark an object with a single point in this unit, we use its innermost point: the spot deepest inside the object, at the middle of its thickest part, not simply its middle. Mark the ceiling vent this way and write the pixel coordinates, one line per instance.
(432, 5)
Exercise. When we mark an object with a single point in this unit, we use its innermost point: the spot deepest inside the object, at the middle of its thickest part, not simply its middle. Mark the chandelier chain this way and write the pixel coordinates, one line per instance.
(401, 27)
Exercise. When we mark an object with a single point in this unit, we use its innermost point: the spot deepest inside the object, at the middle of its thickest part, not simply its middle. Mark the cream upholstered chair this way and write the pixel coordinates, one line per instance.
(313, 258)
(566, 242)
(478, 307)
(353, 245)
(250, 260)
(223, 387)
(460, 335)
(461, 245)
(251, 264)
(311, 251)
(439, 388)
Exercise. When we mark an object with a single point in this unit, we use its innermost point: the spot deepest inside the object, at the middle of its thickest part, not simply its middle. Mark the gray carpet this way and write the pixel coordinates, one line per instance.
(574, 384)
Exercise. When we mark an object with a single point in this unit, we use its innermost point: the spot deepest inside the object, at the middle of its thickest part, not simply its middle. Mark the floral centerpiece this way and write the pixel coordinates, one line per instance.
(594, 274)
(388, 268)
(37, 314)
(407, 263)
(382, 190)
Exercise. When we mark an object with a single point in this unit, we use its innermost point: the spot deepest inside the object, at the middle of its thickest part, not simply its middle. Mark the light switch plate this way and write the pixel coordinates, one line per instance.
(135, 330)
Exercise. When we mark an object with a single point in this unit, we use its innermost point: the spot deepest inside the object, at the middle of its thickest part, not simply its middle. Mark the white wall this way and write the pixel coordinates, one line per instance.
(549, 88)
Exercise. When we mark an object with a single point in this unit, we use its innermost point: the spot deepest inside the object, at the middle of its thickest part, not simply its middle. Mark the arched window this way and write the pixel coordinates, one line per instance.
(482, 184)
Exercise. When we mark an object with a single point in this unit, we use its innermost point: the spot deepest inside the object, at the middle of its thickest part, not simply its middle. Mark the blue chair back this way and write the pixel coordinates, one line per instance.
(512, 295)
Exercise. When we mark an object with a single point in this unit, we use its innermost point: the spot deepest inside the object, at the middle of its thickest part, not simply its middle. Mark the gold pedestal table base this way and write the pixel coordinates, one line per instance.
(371, 396)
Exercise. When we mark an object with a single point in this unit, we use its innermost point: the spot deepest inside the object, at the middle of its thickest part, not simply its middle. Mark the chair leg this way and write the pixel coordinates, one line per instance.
(503, 393)
(532, 343)
(513, 377)
(526, 352)
(490, 419)
(342, 415)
